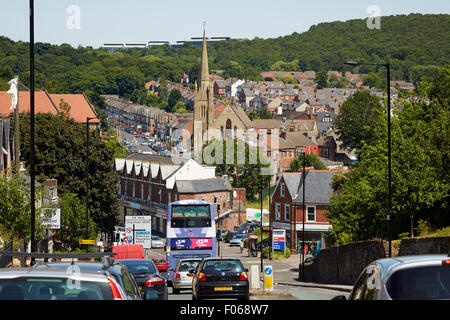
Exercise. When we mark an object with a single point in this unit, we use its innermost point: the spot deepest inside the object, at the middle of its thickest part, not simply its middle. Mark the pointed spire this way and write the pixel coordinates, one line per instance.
(205, 69)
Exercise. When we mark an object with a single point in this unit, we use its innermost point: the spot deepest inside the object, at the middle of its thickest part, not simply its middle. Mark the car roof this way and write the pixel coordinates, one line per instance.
(392, 264)
(221, 258)
(88, 275)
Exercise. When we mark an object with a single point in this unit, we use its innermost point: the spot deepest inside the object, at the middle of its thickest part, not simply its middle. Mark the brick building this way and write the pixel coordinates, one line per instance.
(287, 205)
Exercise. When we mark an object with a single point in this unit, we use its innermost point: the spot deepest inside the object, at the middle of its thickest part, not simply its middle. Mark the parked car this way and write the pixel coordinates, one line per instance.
(182, 274)
(238, 239)
(119, 271)
(157, 242)
(419, 277)
(229, 236)
(220, 278)
(147, 277)
(58, 284)
(161, 263)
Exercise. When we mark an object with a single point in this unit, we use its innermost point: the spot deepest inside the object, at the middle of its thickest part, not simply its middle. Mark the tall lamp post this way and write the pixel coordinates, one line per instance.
(388, 76)
(32, 149)
(87, 179)
(303, 219)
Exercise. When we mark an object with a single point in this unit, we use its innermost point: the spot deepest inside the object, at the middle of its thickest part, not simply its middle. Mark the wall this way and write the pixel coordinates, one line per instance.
(434, 245)
(344, 264)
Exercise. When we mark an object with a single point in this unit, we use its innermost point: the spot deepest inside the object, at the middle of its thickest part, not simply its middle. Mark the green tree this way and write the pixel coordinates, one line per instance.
(73, 222)
(322, 79)
(15, 208)
(356, 122)
(174, 97)
(312, 160)
(60, 153)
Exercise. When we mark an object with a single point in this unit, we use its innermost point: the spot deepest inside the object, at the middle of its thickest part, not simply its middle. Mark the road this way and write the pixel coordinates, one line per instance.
(283, 273)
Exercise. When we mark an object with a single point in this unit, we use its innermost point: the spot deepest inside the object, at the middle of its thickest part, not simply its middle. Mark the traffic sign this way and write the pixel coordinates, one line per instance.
(85, 241)
(268, 278)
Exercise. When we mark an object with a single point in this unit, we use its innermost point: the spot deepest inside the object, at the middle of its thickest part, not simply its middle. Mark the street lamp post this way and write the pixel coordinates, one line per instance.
(388, 77)
(32, 149)
(303, 219)
(87, 179)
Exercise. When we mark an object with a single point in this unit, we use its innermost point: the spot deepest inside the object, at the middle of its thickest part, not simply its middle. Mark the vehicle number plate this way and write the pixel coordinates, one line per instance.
(189, 276)
(223, 288)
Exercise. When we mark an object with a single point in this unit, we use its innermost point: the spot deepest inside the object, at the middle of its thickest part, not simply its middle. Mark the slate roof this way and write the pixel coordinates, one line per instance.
(318, 186)
(201, 186)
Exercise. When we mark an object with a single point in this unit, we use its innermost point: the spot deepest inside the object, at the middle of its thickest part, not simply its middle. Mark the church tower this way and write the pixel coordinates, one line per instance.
(203, 103)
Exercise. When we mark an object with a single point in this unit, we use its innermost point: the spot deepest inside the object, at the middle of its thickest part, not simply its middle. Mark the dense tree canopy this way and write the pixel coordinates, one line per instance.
(414, 44)
(420, 171)
(60, 153)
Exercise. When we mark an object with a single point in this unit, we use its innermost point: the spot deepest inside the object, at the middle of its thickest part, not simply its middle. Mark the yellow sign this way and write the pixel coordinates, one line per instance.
(84, 241)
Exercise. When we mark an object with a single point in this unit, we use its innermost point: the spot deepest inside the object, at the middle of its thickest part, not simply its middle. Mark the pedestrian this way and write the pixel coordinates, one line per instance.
(241, 245)
(309, 248)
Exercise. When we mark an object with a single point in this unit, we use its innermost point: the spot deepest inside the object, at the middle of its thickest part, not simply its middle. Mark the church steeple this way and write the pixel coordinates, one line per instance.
(204, 76)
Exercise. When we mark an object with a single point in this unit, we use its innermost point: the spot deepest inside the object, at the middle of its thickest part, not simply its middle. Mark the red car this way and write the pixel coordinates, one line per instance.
(161, 264)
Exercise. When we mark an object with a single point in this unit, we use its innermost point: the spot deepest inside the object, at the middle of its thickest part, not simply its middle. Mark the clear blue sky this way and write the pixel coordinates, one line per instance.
(139, 21)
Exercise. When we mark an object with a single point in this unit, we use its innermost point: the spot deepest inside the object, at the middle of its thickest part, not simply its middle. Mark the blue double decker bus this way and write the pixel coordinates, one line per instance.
(191, 231)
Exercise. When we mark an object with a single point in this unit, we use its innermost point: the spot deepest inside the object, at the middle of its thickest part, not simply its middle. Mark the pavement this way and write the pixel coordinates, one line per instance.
(293, 263)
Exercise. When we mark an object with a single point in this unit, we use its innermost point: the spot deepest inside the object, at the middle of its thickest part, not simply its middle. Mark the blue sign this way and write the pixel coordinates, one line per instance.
(268, 271)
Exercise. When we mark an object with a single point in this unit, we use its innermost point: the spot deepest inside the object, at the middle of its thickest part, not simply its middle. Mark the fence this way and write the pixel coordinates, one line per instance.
(5, 260)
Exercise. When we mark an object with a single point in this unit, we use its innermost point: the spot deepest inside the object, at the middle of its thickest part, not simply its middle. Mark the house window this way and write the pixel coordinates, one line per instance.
(282, 189)
(325, 152)
(287, 212)
(277, 211)
(311, 214)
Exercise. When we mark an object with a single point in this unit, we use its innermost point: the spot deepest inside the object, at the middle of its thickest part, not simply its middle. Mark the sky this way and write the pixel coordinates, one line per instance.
(95, 22)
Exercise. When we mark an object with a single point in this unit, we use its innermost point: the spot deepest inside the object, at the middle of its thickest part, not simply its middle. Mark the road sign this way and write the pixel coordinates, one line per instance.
(268, 278)
(138, 230)
(86, 241)
(279, 239)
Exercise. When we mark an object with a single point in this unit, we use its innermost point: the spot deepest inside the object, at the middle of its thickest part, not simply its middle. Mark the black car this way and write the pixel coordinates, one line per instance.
(117, 270)
(229, 236)
(220, 278)
(147, 276)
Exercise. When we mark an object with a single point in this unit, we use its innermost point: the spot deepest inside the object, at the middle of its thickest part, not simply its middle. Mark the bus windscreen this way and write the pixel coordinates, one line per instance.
(190, 216)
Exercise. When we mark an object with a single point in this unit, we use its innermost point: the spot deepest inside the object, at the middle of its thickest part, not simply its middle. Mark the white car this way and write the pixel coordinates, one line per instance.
(157, 242)
(237, 239)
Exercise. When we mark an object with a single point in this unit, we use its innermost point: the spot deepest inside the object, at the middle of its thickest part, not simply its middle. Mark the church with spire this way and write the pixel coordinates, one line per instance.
(224, 122)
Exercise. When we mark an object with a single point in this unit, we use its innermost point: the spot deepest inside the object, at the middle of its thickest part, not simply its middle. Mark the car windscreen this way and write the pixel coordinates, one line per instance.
(223, 265)
(421, 283)
(139, 267)
(188, 265)
(34, 288)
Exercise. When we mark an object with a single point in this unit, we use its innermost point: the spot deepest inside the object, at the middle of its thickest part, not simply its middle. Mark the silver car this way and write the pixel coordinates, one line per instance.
(238, 239)
(58, 284)
(157, 242)
(182, 276)
(421, 277)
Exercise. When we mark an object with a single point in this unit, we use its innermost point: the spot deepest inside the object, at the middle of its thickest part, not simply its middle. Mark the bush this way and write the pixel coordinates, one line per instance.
(287, 254)
(265, 252)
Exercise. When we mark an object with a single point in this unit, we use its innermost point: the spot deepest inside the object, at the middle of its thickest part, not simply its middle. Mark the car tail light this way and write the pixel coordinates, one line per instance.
(446, 262)
(177, 276)
(155, 280)
(201, 276)
(243, 276)
(115, 291)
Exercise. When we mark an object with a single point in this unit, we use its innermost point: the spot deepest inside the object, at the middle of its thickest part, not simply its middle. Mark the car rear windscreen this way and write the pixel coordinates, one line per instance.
(33, 288)
(422, 283)
(223, 265)
(188, 265)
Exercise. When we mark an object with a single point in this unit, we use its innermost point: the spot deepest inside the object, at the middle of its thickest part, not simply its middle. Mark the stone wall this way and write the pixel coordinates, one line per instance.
(344, 264)
(432, 245)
